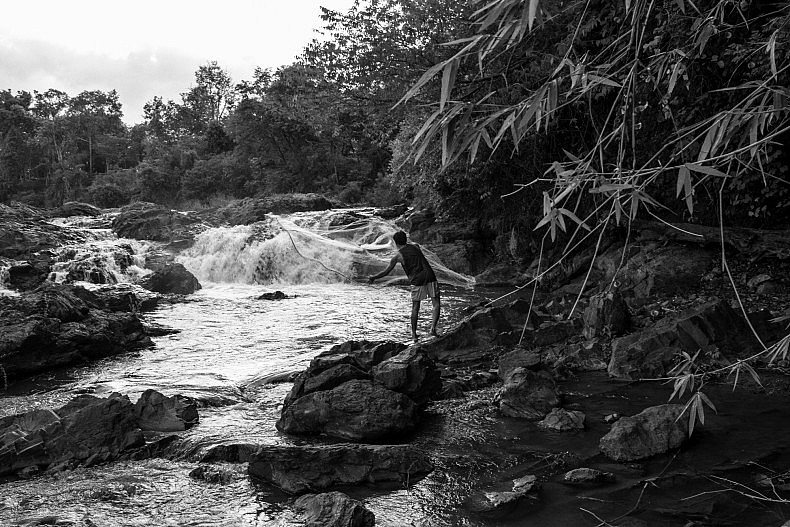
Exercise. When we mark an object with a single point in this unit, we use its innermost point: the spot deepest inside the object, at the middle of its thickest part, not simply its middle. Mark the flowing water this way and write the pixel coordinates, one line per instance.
(230, 342)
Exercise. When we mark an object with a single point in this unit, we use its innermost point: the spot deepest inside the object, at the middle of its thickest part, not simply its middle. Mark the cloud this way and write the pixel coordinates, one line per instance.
(138, 77)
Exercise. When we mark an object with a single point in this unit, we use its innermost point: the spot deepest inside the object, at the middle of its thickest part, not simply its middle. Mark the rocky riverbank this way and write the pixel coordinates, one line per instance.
(529, 409)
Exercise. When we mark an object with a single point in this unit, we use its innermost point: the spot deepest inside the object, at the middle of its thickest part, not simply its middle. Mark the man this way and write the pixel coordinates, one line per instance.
(421, 277)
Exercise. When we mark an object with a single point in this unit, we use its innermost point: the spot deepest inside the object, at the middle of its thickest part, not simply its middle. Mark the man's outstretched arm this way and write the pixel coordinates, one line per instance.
(386, 271)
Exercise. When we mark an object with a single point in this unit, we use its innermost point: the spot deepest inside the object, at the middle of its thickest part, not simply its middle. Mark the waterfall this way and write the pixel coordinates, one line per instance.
(300, 249)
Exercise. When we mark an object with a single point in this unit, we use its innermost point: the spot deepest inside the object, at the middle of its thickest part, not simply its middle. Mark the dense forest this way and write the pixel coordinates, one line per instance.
(660, 103)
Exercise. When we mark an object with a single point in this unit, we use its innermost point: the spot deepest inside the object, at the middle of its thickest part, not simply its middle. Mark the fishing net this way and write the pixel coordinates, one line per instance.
(327, 247)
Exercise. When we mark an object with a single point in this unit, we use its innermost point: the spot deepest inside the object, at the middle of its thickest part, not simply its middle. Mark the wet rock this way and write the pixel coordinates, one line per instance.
(769, 288)
(392, 212)
(230, 452)
(501, 275)
(157, 412)
(58, 325)
(587, 477)
(649, 353)
(25, 231)
(127, 298)
(250, 210)
(148, 221)
(30, 274)
(275, 295)
(562, 420)
(299, 469)
(653, 431)
(502, 499)
(606, 314)
(366, 353)
(755, 281)
(75, 208)
(332, 509)
(529, 359)
(357, 410)
(528, 394)
(212, 474)
(87, 430)
(171, 278)
(411, 373)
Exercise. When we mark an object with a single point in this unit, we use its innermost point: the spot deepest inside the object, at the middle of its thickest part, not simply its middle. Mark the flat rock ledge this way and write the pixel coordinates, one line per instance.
(301, 469)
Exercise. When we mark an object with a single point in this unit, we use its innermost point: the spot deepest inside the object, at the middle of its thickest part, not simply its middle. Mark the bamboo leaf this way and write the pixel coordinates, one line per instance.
(683, 175)
(702, 169)
(448, 79)
(682, 6)
(533, 11)
(475, 146)
(575, 218)
(771, 49)
(707, 401)
(708, 142)
(597, 79)
(753, 373)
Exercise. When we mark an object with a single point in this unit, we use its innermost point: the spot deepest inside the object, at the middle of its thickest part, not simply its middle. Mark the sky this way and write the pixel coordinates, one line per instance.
(143, 48)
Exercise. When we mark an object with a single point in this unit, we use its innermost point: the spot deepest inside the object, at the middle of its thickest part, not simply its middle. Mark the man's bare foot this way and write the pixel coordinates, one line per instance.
(434, 333)
(415, 337)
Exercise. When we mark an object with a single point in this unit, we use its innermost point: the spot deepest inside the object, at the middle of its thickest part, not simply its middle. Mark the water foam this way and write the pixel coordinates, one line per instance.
(303, 248)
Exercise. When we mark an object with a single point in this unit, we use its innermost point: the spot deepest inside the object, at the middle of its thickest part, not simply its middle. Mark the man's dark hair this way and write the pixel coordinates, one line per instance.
(399, 238)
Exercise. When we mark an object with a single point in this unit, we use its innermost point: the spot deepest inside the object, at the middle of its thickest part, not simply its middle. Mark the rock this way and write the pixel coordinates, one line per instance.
(563, 420)
(75, 208)
(366, 353)
(501, 275)
(357, 410)
(299, 469)
(652, 268)
(127, 298)
(86, 430)
(155, 412)
(757, 280)
(250, 210)
(653, 431)
(502, 499)
(148, 221)
(769, 288)
(528, 394)
(392, 212)
(212, 474)
(25, 231)
(587, 477)
(58, 325)
(606, 314)
(332, 509)
(30, 274)
(172, 278)
(276, 295)
(518, 358)
(411, 373)
(649, 353)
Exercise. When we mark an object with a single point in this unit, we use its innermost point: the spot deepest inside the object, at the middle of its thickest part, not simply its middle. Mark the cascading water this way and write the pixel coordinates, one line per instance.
(302, 249)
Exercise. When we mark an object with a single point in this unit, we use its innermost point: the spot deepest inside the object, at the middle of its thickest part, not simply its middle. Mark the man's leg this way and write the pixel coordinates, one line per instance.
(415, 312)
(437, 308)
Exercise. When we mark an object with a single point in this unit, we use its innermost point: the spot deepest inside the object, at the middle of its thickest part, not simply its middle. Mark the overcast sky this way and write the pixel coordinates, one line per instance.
(144, 48)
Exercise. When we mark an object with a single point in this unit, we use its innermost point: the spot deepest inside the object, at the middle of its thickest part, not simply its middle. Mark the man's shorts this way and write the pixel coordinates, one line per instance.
(429, 290)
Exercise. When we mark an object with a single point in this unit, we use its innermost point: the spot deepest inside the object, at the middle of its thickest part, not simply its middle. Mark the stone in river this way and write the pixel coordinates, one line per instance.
(654, 430)
(157, 412)
(357, 410)
(332, 509)
(300, 469)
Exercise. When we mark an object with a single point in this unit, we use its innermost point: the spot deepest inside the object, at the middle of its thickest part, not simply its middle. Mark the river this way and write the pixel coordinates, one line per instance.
(229, 341)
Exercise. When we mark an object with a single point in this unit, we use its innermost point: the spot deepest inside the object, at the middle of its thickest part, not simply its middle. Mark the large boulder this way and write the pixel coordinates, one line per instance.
(148, 221)
(300, 469)
(332, 509)
(250, 210)
(159, 413)
(59, 325)
(357, 410)
(655, 269)
(171, 278)
(650, 353)
(75, 208)
(654, 430)
(25, 231)
(86, 430)
(411, 373)
(528, 394)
